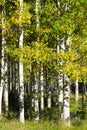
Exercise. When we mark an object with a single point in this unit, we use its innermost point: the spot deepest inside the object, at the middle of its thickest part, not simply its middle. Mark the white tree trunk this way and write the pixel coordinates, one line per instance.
(10, 73)
(6, 86)
(60, 96)
(37, 17)
(33, 87)
(49, 99)
(1, 92)
(36, 100)
(58, 3)
(60, 83)
(42, 89)
(76, 90)
(21, 76)
(66, 112)
(36, 78)
(6, 94)
(64, 92)
(3, 73)
(17, 77)
(21, 83)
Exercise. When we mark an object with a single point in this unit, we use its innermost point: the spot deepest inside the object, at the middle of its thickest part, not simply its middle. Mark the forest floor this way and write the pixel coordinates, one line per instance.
(15, 125)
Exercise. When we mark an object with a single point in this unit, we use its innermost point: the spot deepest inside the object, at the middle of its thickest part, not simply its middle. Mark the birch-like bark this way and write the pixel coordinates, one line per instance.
(48, 89)
(49, 99)
(37, 17)
(21, 77)
(42, 89)
(76, 90)
(37, 78)
(64, 89)
(4, 84)
(2, 58)
(60, 82)
(36, 99)
(60, 47)
(31, 91)
(17, 77)
(6, 91)
(66, 112)
(58, 3)
(60, 96)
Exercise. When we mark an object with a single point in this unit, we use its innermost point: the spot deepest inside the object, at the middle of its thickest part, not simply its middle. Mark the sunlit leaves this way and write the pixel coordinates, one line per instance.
(25, 17)
(55, 23)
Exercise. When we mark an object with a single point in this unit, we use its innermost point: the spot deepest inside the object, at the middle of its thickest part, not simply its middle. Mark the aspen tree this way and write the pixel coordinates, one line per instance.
(66, 108)
(60, 83)
(21, 76)
(60, 47)
(4, 81)
(37, 77)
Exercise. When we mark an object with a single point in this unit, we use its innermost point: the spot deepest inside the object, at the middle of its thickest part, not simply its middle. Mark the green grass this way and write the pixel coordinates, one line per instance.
(15, 125)
(44, 125)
